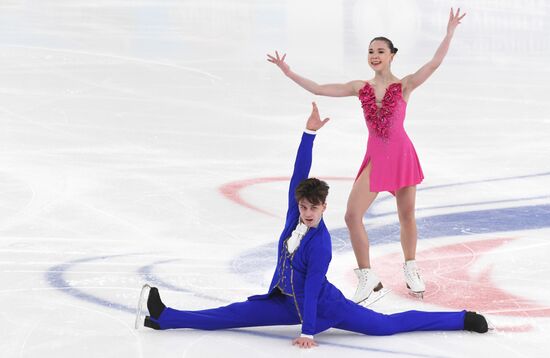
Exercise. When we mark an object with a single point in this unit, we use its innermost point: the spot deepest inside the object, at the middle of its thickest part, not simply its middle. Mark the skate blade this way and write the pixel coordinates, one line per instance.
(490, 325)
(415, 294)
(375, 296)
(142, 302)
(419, 295)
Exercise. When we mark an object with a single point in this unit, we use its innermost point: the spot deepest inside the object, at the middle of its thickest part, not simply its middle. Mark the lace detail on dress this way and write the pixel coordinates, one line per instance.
(379, 119)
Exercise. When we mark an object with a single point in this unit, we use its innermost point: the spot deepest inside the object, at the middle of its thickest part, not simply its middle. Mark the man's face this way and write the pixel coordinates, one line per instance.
(311, 213)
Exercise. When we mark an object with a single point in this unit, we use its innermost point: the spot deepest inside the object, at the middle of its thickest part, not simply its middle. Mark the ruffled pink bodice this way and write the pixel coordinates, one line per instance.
(380, 120)
(393, 159)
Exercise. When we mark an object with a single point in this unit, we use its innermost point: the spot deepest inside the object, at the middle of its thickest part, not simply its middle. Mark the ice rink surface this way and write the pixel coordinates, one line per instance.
(150, 141)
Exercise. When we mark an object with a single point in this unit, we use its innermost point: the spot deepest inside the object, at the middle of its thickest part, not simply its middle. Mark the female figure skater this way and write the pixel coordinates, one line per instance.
(390, 163)
(300, 292)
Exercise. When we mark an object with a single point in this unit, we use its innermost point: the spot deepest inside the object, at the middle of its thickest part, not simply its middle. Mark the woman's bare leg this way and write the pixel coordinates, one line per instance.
(360, 199)
(406, 198)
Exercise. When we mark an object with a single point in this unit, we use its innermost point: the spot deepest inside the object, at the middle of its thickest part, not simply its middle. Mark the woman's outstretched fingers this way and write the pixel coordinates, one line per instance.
(279, 61)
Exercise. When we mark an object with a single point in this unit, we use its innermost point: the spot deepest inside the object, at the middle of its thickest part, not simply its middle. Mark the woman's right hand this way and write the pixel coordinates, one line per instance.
(331, 90)
(279, 61)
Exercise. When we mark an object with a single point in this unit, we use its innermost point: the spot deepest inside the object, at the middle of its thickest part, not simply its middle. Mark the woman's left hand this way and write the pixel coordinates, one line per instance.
(454, 20)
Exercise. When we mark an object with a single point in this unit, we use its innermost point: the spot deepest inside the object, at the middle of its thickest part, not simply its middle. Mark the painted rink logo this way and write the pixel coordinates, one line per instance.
(458, 274)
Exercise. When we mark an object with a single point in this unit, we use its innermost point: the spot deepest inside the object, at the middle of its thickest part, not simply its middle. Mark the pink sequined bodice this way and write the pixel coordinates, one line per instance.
(390, 153)
(388, 119)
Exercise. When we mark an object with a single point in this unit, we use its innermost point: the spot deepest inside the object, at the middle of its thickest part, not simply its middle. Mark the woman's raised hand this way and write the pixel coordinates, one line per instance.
(279, 61)
(454, 20)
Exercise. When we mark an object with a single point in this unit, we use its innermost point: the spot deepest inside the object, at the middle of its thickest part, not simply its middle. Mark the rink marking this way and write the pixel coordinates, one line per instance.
(55, 277)
(448, 267)
(146, 272)
(463, 205)
(465, 223)
(232, 190)
(119, 57)
(515, 329)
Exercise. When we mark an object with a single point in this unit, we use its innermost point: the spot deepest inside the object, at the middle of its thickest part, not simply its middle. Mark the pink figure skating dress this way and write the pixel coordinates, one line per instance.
(394, 161)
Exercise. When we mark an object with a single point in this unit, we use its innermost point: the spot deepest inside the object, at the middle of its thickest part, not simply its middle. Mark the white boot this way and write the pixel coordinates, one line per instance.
(368, 283)
(412, 277)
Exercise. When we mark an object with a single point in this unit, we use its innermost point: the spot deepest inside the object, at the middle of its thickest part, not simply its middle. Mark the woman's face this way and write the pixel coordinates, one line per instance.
(380, 56)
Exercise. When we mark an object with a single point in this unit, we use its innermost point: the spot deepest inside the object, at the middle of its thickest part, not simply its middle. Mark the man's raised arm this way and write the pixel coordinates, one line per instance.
(302, 165)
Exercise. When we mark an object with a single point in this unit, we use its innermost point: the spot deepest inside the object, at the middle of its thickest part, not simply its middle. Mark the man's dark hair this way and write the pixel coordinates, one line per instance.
(312, 189)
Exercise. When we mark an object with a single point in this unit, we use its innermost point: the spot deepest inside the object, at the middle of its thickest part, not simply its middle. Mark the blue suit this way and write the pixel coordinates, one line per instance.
(300, 293)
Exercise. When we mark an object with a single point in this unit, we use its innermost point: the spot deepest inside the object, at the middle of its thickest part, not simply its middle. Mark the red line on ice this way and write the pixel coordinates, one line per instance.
(232, 190)
(451, 279)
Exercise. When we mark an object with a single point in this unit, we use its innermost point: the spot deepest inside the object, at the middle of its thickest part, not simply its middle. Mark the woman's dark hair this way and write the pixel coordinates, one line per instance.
(313, 190)
(387, 41)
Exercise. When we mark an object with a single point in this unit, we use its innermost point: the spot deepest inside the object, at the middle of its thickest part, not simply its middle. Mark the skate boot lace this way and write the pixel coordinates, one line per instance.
(413, 275)
(363, 281)
(368, 284)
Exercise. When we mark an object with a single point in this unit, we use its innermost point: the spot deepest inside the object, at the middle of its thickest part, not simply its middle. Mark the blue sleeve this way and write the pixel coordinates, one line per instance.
(302, 165)
(317, 266)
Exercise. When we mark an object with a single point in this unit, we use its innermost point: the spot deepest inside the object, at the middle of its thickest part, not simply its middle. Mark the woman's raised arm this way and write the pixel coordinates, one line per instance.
(416, 79)
(330, 90)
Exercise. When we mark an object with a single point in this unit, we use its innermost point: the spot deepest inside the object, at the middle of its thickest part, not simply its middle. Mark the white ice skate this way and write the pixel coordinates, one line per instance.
(415, 284)
(141, 306)
(369, 287)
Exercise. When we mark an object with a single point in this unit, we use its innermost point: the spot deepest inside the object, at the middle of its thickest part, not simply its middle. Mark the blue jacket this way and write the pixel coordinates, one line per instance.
(316, 299)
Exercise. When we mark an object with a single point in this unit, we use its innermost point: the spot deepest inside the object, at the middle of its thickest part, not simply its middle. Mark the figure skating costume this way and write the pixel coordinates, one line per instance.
(394, 163)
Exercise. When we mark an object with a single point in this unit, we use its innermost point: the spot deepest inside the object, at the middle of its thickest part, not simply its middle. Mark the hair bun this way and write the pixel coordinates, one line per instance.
(387, 41)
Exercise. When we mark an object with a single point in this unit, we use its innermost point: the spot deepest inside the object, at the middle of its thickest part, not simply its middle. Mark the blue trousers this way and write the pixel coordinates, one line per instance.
(280, 310)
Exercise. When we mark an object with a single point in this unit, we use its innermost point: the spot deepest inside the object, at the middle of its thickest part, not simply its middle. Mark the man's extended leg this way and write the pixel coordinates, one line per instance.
(276, 310)
(363, 320)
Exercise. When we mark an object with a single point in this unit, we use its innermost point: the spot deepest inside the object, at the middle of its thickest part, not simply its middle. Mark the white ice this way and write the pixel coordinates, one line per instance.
(121, 120)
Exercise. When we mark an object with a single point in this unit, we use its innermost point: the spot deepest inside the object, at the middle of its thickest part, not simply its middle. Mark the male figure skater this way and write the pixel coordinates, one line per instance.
(300, 292)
